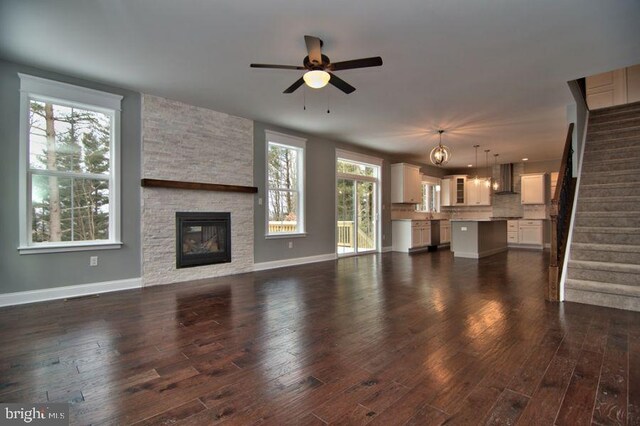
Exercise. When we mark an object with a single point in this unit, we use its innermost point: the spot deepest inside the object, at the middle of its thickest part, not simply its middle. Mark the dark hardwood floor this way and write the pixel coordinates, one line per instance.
(383, 339)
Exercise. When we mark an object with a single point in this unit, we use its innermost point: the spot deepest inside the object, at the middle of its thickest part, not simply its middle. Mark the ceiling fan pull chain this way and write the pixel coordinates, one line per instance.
(328, 102)
(304, 99)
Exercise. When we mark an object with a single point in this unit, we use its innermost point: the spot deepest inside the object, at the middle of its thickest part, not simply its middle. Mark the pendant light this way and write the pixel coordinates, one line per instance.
(476, 180)
(496, 184)
(440, 155)
(487, 181)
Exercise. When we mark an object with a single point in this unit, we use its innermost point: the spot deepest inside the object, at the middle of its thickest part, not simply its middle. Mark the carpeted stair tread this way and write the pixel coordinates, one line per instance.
(614, 117)
(602, 287)
(616, 130)
(614, 198)
(623, 248)
(605, 266)
(631, 176)
(616, 109)
(611, 185)
(605, 146)
(616, 253)
(612, 154)
(615, 124)
(592, 214)
(607, 229)
(634, 158)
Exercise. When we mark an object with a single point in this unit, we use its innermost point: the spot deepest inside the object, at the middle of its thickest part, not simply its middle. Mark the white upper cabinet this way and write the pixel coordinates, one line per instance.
(478, 195)
(453, 190)
(406, 184)
(533, 188)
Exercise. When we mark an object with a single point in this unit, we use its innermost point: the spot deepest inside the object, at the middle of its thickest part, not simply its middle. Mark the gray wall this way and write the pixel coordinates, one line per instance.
(320, 213)
(39, 271)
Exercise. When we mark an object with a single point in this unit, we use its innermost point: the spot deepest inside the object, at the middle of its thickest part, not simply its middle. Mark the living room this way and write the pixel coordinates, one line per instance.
(160, 264)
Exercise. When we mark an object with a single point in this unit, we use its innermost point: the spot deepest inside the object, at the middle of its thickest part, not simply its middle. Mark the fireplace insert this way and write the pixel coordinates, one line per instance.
(202, 238)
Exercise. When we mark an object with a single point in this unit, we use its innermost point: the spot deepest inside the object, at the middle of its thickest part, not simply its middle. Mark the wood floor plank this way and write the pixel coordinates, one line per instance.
(174, 415)
(508, 408)
(612, 396)
(546, 400)
(634, 376)
(380, 339)
(527, 379)
(579, 399)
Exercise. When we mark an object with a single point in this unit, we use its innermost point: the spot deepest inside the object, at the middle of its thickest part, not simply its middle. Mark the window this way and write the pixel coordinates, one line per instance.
(69, 167)
(430, 196)
(285, 184)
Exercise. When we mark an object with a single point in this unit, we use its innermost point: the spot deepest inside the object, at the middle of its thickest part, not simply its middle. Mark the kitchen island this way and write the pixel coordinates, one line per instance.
(477, 238)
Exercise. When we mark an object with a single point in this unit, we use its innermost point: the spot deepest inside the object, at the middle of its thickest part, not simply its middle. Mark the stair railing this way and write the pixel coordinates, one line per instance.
(561, 208)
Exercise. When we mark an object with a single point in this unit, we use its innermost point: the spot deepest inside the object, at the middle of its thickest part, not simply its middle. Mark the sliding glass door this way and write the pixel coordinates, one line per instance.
(357, 207)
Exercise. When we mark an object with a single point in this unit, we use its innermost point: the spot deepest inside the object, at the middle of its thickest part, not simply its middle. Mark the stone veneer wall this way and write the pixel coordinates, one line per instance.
(187, 143)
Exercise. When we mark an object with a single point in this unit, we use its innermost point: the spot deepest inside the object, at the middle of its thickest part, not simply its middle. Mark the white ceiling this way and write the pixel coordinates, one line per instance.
(490, 72)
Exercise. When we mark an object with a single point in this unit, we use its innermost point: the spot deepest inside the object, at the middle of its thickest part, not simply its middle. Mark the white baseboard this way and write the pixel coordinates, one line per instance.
(262, 266)
(32, 296)
(386, 249)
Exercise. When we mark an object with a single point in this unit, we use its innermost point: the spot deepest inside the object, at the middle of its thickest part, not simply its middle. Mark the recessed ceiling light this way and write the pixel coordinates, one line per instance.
(525, 159)
(469, 165)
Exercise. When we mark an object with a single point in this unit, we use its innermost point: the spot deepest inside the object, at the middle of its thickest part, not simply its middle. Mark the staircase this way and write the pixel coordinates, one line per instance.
(604, 265)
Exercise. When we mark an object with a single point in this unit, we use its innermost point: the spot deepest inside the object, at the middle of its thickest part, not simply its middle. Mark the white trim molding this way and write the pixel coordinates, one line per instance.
(262, 266)
(33, 296)
(359, 158)
(109, 104)
(58, 91)
(386, 249)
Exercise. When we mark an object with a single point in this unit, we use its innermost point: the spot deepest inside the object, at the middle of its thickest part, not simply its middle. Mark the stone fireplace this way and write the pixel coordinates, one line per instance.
(191, 144)
(202, 238)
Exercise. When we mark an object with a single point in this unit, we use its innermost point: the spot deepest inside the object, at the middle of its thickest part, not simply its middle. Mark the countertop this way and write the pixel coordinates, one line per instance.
(478, 220)
(418, 220)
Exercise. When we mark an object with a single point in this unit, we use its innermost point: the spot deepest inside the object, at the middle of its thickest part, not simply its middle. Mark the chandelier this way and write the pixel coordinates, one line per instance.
(440, 155)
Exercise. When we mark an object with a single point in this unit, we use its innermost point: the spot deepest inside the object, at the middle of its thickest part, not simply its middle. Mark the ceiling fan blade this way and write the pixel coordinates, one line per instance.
(294, 86)
(341, 84)
(314, 47)
(375, 61)
(279, 67)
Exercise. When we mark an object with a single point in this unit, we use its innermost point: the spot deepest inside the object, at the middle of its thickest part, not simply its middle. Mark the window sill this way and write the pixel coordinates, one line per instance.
(61, 248)
(293, 235)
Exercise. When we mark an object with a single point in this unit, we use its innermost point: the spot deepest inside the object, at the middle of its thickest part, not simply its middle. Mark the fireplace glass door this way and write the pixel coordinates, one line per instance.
(202, 239)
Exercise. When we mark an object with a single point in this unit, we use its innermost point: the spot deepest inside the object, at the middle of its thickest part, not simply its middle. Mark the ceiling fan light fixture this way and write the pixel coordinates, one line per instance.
(441, 154)
(316, 79)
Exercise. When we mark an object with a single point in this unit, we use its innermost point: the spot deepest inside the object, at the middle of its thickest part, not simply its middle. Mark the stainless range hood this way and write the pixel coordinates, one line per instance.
(506, 180)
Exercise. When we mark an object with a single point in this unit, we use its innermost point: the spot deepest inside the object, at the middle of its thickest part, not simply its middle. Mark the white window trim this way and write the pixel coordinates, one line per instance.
(66, 94)
(294, 142)
(359, 158)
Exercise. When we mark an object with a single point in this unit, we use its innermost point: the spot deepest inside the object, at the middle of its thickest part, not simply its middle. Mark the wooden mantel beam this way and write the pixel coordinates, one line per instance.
(161, 183)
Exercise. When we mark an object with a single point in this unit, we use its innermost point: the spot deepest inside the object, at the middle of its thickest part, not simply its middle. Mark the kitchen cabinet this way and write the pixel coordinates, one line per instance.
(406, 184)
(478, 195)
(512, 231)
(525, 232)
(411, 235)
(530, 232)
(453, 190)
(445, 232)
(532, 188)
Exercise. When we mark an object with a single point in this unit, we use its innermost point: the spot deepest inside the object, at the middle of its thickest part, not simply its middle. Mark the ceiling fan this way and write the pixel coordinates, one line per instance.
(319, 67)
